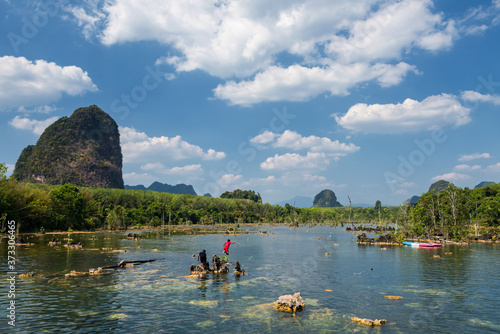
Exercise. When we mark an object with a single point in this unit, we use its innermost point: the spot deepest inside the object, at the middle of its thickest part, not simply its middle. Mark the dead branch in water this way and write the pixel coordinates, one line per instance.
(123, 263)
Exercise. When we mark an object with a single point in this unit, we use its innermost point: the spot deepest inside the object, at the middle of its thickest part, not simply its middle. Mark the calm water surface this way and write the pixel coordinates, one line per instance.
(456, 293)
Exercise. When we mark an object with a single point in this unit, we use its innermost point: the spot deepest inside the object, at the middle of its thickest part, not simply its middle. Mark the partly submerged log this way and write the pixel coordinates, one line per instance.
(123, 263)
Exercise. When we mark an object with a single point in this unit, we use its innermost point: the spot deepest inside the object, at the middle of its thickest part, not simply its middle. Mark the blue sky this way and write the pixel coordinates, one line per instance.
(373, 99)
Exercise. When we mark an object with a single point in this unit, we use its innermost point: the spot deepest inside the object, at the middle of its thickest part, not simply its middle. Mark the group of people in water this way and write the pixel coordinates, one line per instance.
(202, 256)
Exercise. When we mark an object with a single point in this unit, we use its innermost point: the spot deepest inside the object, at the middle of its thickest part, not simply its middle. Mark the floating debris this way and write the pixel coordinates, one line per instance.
(27, 275)
(117, 316)
(393, 297)
(369, 322)
(206, 323)
(328, 290)
(204, 303)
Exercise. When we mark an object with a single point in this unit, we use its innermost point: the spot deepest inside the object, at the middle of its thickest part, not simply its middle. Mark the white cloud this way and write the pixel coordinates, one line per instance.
(410, 116)
(296, 161)
(293, 140)
(394, 29)
(407, 185)
(474, 156)
(190, 170)
(24, 83)
(88, 21)
(44, 109)
(37, 127)
(451, 177)
(493, 168)
(229, 179)
(320, 150)
(153, 166)
(137, 147)
(264, 138)
(300, 83)
(339, 44)
(135, 178)
(467, 168)
(10, 169)
(472, 96)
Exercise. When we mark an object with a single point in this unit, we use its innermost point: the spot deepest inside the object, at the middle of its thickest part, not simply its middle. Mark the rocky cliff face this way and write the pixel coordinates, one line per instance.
(83, 150)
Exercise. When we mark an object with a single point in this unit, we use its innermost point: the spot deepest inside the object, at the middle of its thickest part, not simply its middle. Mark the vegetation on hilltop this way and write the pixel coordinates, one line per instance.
(326, 199)
(243, 194)
(83, 150)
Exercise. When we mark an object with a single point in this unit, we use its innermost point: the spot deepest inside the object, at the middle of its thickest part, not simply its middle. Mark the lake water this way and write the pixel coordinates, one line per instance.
(456, 293)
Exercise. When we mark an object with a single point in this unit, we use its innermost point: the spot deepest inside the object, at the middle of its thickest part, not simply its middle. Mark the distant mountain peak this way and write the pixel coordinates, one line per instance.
(326, 199)
(166, 188)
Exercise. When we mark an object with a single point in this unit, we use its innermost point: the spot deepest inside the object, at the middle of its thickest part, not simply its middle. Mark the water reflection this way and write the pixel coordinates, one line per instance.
(337, 278)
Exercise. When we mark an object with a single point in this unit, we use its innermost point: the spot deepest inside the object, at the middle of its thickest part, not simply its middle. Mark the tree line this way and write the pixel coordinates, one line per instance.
(455, 213)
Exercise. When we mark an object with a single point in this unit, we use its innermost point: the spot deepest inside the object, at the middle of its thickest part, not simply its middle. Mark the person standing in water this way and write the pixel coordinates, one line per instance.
(202, 257)
(226, 246)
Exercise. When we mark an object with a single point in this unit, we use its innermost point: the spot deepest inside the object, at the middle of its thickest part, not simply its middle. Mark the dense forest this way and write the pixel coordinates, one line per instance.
(454, 213)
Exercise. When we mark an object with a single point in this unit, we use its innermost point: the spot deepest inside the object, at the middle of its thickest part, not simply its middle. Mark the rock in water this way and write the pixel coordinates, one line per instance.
(290, 303)
(83, 150)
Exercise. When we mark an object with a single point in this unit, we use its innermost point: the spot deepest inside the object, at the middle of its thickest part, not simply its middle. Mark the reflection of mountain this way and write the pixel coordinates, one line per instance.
(166, 188)
(298, 202)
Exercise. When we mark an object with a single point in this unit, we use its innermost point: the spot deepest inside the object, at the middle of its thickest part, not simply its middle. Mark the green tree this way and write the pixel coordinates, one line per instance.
(67, 207)
(3, 171)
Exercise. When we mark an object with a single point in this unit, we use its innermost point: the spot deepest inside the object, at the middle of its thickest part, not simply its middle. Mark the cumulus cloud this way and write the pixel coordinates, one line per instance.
(410, 116)
(189, 170)
(240, 39)
(320, 150)
(493, 168)
(296, 161)
(229, 179)
(43, 109)
(451, 177)
(37, 127)
(264, 138)
(300, 83)
(467, 168)
(138, 147)
(138, 178)
(473, 96)
(24, 83)
(473, 156)
(293, 140)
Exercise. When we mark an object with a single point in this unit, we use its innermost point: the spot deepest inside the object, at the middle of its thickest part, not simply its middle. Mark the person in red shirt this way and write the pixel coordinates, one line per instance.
(226, 246)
